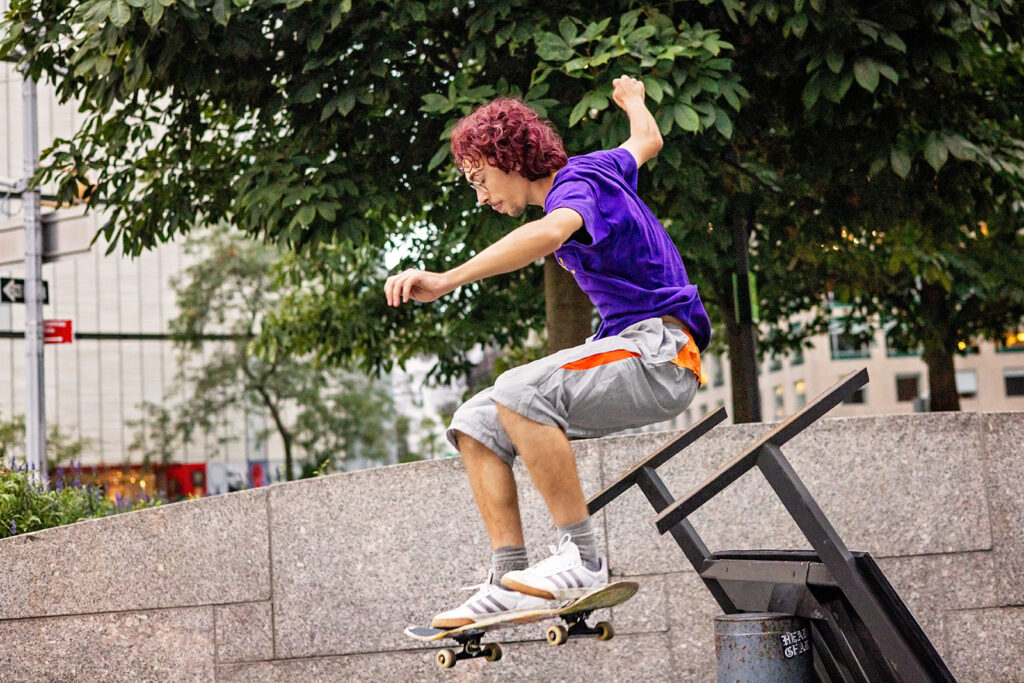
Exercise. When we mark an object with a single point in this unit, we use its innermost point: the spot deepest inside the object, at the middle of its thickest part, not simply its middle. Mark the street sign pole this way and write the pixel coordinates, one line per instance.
(35, 422)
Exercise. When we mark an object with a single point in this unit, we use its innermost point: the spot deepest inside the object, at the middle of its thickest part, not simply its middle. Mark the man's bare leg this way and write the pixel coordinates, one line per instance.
(548, 457)
(494, 488)
(552, 465)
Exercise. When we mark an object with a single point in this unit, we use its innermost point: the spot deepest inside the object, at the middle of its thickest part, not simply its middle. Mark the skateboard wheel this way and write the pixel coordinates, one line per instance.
(446, 658)
(557, 635)
(604, 630)
(492, 652)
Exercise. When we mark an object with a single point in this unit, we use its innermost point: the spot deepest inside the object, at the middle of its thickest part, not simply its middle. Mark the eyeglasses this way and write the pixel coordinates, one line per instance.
(477, 184)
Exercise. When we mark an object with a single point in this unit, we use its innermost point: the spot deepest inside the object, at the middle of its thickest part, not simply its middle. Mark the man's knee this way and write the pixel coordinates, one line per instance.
(468, 446)
(475, 452)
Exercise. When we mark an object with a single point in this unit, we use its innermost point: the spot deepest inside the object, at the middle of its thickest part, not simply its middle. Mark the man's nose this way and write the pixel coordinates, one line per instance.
(481, 195)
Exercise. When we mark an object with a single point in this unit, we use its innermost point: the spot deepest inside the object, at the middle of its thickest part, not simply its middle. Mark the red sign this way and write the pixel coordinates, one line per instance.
(57, 332)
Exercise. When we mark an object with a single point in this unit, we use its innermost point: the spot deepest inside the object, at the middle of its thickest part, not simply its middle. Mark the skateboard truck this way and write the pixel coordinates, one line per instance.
(576, 627)
(471, 649)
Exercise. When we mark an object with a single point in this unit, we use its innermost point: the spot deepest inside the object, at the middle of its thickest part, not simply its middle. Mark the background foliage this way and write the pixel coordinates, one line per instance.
(860, 148)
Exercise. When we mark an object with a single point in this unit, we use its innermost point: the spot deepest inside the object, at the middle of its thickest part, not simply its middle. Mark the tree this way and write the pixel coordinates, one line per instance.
(333, 416)
(323, 124)
(848, 178)
(911, 212)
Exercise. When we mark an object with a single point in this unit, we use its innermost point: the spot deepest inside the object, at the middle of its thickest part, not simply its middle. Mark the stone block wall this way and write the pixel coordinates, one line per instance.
(315, 580)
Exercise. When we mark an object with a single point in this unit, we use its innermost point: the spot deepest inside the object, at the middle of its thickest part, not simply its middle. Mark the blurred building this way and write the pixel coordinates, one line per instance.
(119, 308)
(989, 378)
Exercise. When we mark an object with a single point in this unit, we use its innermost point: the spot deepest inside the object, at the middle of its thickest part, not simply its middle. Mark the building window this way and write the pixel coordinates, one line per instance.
(896, 350)
(847, 346)
(908, 387)
(780, 403)
(858, 397)
(718, 372)
(775, 363)
(800, 390)
(967, 383)
(798, 357)
(1014, 380)
(1012, 342)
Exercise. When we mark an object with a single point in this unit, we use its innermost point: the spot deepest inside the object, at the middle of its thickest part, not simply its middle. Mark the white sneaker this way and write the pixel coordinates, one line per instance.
(488, 602)
(563, 576)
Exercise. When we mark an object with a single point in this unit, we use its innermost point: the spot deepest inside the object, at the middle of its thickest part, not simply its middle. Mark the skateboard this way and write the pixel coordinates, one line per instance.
(574, 613)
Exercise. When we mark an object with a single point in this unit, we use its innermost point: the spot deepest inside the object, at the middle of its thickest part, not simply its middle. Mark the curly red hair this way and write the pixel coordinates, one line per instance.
(510, 136)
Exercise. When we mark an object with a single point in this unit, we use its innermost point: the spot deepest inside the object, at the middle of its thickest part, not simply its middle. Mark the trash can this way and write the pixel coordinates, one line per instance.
(763, 646)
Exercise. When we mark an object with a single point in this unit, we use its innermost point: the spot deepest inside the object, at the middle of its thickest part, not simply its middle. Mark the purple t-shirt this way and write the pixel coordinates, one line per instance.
(631, 270)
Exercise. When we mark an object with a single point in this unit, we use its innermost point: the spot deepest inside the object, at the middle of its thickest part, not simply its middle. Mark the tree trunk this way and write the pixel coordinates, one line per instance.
(739, 320)
(942, 393)
(568, 310)
(746, 395)
(939, 349)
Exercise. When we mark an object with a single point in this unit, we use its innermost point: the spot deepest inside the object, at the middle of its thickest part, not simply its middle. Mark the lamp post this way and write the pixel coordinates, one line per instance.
(35, 424)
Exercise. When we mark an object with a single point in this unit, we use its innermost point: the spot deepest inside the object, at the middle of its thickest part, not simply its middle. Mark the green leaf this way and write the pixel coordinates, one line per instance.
(152, 12)
(595, 30)
(221, 12)
(812, 91)
(935, 151)
(553, 48)
(901, 161)
(417, 11)
(836, 88)
(865, 70)
(894, 41)
(628, 20)
(120, 13)
(652, 86)
(723, 124)
(961, 148)
(432, 102)
(307, 93)
(306, 215)
(835, 61)
(797, 24)
(578, 112)
(573, 65)
(664, 119)
(868, 28)
(567, 29)
(346, 103)
(439, 156)
(686, 117)
(888, 72)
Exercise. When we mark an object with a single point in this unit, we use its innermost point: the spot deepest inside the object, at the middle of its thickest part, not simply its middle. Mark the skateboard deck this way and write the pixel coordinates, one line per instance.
(573, 613)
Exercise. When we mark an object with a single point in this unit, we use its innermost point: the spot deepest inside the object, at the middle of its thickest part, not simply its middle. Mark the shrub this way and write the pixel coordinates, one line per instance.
(27, 506)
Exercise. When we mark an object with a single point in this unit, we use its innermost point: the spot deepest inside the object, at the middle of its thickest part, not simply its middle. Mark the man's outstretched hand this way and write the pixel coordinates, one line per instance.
(418, 285)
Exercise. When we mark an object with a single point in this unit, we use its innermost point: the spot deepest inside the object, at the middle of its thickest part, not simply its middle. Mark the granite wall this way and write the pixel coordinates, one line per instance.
(315, 580)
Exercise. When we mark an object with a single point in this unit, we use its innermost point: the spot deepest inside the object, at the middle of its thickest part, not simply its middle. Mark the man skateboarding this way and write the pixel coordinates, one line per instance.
(641, 367)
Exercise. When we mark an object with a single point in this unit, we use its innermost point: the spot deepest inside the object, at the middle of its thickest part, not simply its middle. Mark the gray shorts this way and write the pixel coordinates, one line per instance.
(643, 375)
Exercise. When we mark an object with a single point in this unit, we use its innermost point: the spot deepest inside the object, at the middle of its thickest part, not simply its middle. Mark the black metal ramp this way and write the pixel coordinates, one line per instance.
(861, 630)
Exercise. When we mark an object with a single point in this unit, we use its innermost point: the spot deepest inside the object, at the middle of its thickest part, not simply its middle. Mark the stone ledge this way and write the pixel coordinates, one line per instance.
(304, 580)
(200, 552)
(163, 645)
